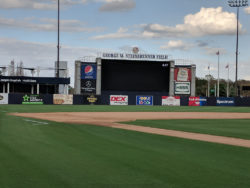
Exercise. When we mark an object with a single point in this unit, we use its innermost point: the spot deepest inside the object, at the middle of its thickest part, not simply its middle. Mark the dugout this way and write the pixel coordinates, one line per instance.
(133, 74)
(31, 85)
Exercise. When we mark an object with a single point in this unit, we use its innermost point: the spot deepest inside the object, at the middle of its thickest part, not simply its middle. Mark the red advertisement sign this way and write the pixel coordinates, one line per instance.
(182, 74)
(194, 101)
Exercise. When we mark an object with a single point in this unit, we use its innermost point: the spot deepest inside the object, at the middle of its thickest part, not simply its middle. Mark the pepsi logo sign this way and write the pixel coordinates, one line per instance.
(89, 70)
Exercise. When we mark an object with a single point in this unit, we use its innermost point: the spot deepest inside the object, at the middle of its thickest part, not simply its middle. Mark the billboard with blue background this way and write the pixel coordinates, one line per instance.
(224, 101)
(88, 72)
(144, 100)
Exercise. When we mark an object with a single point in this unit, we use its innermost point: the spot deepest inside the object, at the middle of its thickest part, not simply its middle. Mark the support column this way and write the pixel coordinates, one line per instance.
(8, 87)
(99, 77)
(3, 88)
(193, 84)
(32, 89)
(37, 89)
(77, 89)
(171, 78)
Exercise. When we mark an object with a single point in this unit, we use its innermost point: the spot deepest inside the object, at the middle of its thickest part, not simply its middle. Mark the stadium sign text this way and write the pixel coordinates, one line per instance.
(134, 56)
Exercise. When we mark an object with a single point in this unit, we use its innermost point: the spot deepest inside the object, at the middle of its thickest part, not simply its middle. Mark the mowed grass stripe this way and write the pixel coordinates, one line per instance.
(107, 108)
(62, 155)
(237, 128)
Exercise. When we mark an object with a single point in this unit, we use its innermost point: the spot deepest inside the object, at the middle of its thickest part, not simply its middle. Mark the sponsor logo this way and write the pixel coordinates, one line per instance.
(182, 88)
(171, 101)
(223, 101)
(32, 99)
(118, 100)
(144, 100)
(1, 97)
(92, 99)
(89, 70)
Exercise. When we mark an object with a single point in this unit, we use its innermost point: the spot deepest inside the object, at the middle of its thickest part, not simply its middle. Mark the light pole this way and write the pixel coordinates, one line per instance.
(58, 39)
(238, 4)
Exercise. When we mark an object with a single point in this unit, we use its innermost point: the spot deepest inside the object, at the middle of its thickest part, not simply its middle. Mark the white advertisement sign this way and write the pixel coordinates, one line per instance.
(4, 97)
(62, 99)
(118, 100)
(171, 101)
(182, 88)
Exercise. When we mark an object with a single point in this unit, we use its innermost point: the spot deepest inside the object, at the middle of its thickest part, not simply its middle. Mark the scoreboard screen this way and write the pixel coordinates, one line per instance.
(127, 75)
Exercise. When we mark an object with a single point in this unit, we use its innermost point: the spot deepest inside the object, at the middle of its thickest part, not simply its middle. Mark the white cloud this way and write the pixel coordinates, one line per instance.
(207, 22)
(177, 45)
(117, 5)
(47, 24)
(121, 33)
(37, 4)
(247, 10)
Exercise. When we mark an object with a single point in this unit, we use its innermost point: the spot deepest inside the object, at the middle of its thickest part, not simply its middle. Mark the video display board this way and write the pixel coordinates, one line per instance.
(128, 75)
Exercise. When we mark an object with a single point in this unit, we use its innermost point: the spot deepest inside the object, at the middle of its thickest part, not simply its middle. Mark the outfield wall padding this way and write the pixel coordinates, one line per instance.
(104, 99)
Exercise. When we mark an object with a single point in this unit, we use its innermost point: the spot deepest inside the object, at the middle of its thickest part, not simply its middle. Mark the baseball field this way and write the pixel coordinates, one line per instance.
(116, 146)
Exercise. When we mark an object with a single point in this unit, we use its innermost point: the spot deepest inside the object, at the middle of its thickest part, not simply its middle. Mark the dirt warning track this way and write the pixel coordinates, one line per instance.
(111, 119)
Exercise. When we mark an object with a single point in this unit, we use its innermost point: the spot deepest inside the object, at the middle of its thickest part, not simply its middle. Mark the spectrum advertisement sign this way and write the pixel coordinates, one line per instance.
(197, 101)
(171, 101)
(118, 100)
(88, 72)
(144, 100)
(224, 101)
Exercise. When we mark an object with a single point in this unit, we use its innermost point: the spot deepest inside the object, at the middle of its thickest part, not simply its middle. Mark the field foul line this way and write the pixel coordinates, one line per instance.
(36, 122)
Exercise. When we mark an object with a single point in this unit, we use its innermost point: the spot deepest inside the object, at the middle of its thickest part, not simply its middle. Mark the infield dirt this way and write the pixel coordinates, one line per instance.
(112, 119)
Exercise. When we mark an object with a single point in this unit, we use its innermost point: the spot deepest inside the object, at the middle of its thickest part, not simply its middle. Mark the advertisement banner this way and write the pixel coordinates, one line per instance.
(88, 71)
(182, 74)
(62, 99)
(224, 101)
(118, 100)
(144, 100)
(88, 86)
(171, 101)
(197, 101)
(32, 99)
(4, 98)
(182, 88)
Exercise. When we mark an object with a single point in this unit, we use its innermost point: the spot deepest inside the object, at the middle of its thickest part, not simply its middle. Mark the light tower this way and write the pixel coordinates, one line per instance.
(237, 4)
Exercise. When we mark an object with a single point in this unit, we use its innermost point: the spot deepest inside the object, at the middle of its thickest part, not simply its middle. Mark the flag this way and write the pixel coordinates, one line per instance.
(227, 66)
(218, 53)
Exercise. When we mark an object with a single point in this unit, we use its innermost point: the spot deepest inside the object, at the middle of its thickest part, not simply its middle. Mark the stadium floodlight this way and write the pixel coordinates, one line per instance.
(238, 4)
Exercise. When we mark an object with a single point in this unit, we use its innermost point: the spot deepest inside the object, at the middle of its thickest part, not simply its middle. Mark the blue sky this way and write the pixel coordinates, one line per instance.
(191, 30)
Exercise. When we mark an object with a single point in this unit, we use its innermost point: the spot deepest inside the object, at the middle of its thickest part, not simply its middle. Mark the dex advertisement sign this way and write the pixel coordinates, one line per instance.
(118, 100)
(4, 97)
(88, 72)
(144, 100)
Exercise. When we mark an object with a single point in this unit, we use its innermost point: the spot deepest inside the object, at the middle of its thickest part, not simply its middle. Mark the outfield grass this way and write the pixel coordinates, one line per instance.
(238, 128)
(58, 155)
(105, 108)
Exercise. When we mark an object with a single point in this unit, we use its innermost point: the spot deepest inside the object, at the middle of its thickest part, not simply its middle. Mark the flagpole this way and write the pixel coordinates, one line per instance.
(218, 81)
(228, 80)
